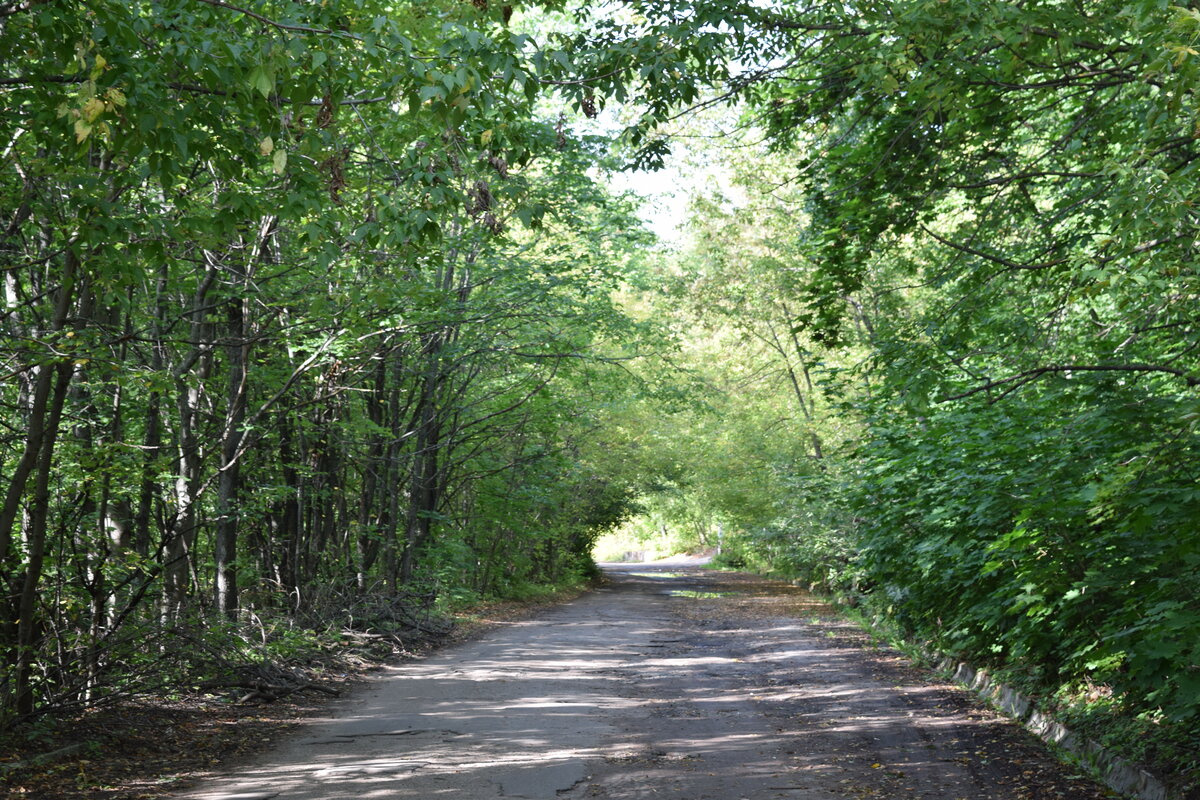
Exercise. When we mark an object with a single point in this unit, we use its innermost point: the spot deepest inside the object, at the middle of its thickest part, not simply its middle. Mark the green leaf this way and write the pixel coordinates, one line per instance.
(260, 79)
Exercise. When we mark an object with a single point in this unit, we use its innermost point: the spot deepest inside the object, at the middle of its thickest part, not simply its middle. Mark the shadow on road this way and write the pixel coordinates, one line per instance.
(670, 681)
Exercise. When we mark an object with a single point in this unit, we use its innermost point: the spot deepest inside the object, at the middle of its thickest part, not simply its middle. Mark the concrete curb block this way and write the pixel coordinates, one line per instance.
(1117, 773)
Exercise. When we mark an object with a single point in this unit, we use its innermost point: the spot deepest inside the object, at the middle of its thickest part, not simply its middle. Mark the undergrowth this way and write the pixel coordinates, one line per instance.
(1164, 747)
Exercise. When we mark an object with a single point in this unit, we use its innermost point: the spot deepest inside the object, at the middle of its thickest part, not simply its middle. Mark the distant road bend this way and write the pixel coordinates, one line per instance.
(672, 683)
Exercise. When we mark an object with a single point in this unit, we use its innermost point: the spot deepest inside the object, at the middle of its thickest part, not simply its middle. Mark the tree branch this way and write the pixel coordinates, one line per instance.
(1031, 375)
(1004, 181)
(988, 256)
(283, 26)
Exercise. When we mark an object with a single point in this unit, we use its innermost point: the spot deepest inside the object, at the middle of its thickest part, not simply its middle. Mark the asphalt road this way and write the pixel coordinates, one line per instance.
(671, 683)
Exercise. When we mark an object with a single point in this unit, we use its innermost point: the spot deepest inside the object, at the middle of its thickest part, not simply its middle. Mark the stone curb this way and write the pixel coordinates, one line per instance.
(1117, 773)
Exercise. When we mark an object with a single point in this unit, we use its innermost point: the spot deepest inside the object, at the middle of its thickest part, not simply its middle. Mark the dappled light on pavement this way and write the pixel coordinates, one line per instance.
(732, 688)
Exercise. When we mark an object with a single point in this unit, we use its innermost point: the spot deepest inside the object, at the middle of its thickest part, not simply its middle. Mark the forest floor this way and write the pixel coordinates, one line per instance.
(668, 682)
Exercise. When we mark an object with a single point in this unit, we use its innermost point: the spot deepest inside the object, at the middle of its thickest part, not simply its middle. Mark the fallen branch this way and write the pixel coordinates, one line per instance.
(267, 692)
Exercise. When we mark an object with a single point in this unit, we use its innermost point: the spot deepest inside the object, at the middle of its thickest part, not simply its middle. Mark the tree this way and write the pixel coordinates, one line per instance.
(276, 288)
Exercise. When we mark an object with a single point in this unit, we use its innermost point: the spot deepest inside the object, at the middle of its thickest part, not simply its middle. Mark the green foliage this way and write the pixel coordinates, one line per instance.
(987, 211)
(299, 298)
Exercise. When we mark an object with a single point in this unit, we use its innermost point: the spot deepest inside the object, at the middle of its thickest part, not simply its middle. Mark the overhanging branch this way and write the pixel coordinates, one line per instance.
(1014, 382)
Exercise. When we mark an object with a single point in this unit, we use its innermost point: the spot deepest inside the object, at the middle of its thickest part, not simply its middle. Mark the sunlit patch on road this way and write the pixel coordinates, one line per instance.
(748, 690)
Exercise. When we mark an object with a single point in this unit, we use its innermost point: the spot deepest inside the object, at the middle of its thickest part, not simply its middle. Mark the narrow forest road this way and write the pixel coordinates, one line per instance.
(669, 682)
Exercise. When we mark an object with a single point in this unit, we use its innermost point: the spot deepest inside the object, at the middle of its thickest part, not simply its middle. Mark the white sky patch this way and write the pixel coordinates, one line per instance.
(667, 193)
(664, 200)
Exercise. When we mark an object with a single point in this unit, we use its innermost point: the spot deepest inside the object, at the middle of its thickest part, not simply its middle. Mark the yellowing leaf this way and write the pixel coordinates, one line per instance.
(83, 129)
(266, 146)
(279, 162)
(92, 109)
(116, 97)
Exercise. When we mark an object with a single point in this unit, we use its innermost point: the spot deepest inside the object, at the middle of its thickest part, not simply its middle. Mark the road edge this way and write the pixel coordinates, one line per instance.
(1114, 771)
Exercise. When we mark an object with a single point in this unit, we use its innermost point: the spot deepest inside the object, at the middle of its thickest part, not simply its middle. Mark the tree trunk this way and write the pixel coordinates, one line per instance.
(35, 543)
(45, 417)
(288, 526)
(422, 496)
(152, 440)
(225, 588)
(177, 548)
